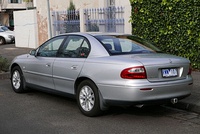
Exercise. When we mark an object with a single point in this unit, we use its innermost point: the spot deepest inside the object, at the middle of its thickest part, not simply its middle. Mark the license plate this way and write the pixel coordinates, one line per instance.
(172, 72)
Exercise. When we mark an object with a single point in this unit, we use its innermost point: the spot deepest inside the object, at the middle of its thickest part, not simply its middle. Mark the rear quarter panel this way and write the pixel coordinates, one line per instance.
(105, 70)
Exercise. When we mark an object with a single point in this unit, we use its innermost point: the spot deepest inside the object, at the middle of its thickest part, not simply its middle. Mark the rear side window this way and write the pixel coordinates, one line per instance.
(75, 47)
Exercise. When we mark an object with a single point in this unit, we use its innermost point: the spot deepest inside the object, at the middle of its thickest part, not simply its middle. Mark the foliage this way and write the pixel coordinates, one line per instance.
(4, 65)
(174, 25)
(71, 6)
(72, 19)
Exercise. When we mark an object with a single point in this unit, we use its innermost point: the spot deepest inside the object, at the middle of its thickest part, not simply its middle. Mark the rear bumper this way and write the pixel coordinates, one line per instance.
(132, 94)
(147, 102)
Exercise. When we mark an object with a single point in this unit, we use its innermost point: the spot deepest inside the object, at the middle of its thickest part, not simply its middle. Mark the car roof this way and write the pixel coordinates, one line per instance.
(96, 33)
(102, 33)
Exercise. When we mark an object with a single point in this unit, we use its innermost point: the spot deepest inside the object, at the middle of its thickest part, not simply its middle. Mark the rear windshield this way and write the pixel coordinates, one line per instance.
(124, 44)
(4, 28)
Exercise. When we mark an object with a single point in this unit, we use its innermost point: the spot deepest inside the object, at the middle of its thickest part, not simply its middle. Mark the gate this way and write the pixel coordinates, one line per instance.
(65, 21)
(110, 19)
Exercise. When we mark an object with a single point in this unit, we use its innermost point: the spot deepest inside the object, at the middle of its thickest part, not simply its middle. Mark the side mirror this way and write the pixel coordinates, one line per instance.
(33, 52)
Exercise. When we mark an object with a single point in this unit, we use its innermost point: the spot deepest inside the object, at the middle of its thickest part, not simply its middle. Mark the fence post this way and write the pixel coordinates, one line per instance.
(127, 24)
(49, 20)
(82, 20)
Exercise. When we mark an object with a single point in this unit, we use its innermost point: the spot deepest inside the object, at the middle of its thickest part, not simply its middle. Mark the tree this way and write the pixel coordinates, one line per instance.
(71, 6)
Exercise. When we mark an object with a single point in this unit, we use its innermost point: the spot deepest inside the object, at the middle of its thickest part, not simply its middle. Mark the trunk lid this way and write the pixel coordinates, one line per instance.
(163, 67)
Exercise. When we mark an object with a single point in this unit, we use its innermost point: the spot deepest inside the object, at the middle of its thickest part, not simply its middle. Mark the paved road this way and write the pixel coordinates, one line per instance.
(41, 113)
(9, 51)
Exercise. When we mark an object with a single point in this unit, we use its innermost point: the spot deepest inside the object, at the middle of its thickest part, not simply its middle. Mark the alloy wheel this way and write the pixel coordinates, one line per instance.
(86, 98)
(16, 79)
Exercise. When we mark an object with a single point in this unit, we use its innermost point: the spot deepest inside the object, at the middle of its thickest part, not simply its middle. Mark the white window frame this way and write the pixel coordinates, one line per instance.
(110, 3)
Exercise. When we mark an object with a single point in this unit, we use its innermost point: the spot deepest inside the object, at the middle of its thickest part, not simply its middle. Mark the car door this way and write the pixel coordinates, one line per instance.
(39, 67)
(69, 63)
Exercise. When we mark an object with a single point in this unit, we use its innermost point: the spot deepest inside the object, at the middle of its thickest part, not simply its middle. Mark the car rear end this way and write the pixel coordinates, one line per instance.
(142, 83)
(142, 76)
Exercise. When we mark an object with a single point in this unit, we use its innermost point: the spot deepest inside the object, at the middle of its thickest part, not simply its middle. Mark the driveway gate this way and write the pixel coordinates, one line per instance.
(110, 19)
(65, 21)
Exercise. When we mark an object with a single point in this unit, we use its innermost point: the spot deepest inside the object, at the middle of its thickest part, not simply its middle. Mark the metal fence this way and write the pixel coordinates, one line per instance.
(65, 21)
(110, 19)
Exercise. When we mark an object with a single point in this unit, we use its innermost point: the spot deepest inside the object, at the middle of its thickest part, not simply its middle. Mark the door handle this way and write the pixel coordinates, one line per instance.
(48, 65)
(74, 67)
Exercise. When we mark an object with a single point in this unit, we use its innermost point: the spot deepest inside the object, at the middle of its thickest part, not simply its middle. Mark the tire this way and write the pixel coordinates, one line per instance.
(17, 80)
(2, 41)
(88, 98)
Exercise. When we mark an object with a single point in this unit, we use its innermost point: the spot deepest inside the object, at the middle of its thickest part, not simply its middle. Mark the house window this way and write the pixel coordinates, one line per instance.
(110, 3)
(15, 1)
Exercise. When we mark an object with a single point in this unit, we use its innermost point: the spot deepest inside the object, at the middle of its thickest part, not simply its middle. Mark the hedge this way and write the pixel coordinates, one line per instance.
(4, 65)
(173, 25)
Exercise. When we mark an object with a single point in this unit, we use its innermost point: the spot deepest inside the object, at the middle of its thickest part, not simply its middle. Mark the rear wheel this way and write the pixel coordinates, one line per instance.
(88, 98)
(2, 41)
(17, 80)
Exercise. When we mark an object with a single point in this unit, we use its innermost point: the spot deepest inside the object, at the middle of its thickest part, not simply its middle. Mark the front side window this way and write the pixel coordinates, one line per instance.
(50, 48)
(75, 47)
(124, 44)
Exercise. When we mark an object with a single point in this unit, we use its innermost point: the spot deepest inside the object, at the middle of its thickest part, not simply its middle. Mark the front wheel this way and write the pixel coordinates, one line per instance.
(88, 98)
(17, 80)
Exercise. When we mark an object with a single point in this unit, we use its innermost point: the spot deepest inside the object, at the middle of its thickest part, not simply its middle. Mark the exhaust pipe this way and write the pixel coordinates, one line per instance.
(174, 100)
(139, 106)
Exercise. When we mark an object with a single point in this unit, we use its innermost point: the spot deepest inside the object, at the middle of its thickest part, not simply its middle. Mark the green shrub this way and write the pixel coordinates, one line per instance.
(173, 25)
(4, 65)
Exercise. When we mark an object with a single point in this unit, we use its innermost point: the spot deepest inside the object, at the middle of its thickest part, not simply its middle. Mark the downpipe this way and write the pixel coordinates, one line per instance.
(174, 100)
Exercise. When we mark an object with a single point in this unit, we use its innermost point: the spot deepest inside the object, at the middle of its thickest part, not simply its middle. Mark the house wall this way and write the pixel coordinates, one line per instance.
(42, 16)
(4, 19)
(26, 30)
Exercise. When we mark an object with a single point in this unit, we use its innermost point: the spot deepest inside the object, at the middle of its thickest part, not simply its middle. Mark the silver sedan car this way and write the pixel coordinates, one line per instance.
(101, 70)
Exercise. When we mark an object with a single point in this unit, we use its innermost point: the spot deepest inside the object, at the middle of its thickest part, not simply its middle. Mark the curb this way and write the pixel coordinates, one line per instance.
(191, 103)
(5, 75)
(186, 106)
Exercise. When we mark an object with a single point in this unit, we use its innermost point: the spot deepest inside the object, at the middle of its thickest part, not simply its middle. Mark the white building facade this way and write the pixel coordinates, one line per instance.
(7, 7)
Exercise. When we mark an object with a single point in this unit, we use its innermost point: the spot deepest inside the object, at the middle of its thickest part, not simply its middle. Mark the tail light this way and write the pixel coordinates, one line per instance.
(134, 73)
(190, 70)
